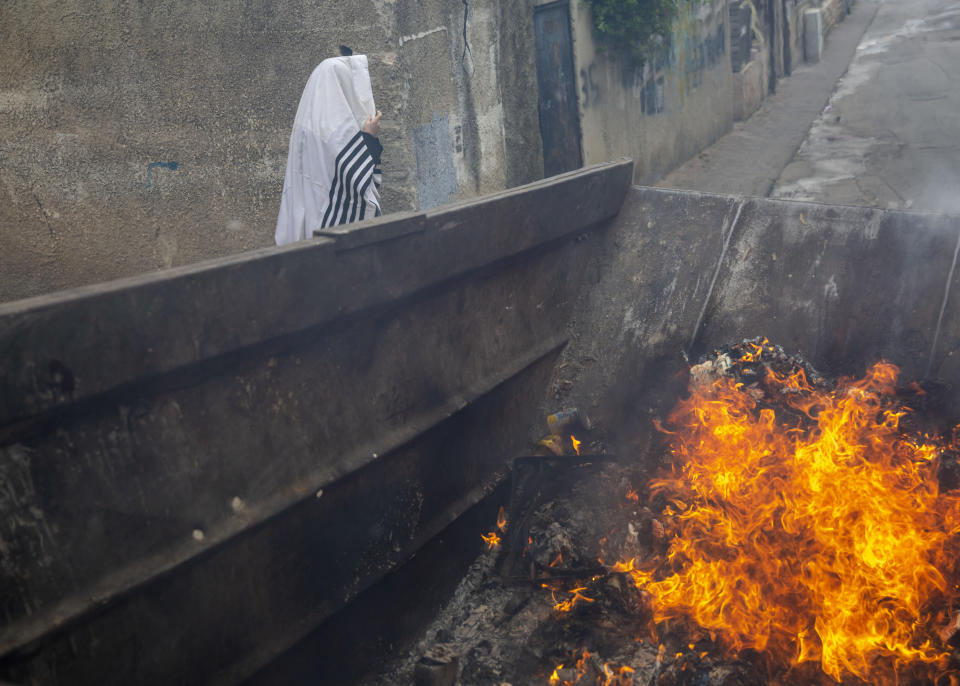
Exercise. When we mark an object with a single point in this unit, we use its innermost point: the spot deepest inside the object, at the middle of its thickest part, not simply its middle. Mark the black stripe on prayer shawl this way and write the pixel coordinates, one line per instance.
(356, 165)
(346, 188)
(336, 188)
(363, 192)
(337, 164)
(377, 180)
(360, 188)
(343, 193)
(341, 178)
(361, 184)
(350, 187)
(336, 185)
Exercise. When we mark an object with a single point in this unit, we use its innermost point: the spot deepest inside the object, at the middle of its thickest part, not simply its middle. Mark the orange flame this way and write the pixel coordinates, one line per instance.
(816, 534)
(754, 352)
(633, 495)
(501, 519)
(491, 539)
(587, 671)
(611, 677)
(576, 444)
(570, 603)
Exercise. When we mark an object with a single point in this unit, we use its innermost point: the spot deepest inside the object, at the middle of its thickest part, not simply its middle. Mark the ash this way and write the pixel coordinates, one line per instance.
(500, 628)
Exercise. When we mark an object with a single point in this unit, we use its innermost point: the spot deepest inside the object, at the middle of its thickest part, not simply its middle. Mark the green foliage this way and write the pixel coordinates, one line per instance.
(630, 27)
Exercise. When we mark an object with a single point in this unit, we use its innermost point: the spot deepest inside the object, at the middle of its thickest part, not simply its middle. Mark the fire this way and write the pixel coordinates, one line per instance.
(491, 539)
(813, 533)
(621, 677)
(576, 444)
(570, 603)
(753, 350)
(588, 670)
(633, 495)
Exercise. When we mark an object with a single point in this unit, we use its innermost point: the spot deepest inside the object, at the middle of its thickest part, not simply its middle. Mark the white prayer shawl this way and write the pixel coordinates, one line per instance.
(331, 176)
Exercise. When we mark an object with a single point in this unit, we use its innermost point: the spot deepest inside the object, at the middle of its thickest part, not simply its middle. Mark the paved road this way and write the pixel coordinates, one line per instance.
(890, 134)
(750, 158)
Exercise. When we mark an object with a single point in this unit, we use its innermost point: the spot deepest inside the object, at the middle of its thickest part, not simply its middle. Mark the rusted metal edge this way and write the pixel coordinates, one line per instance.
(24, 635)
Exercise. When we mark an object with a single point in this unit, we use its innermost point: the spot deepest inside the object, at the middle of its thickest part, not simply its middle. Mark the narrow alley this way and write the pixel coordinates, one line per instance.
(873, 123)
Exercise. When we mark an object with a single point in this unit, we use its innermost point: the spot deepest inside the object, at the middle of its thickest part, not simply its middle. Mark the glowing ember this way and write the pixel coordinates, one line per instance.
(588, 670)
(576, 444)
(633, 495)
(491, 539)
(501, 519)
(622, 677)
(813, 533)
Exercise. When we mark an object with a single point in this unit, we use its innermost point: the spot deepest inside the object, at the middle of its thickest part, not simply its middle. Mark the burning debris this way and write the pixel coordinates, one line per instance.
(808, 524)
(807, 533)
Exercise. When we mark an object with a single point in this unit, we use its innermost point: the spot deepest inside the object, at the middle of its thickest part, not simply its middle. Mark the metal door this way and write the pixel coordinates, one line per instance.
(559, 118)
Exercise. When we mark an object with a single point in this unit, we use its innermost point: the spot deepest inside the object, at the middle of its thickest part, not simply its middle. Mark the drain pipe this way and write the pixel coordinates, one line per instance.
(943, 309)
(716, 272)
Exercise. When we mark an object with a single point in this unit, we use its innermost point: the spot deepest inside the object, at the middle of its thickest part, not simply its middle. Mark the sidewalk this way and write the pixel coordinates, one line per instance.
(749, 159)
(889, 137)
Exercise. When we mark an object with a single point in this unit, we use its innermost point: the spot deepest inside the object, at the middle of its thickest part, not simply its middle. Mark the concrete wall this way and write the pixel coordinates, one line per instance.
(182, 452)
(143, 136)
(751, 84)
(826, 13)
(833, 11)
(201, 466)
(750, 52)
(469, 96)
(666, 111)
(778, 47)
(794, 17)
(686, 272)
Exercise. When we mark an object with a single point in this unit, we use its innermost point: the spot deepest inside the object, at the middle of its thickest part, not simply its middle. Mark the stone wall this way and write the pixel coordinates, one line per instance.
(143, 136)
(663, 112)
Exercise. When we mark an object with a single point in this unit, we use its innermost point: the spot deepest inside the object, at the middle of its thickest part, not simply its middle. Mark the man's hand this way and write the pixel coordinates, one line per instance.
(372, 125)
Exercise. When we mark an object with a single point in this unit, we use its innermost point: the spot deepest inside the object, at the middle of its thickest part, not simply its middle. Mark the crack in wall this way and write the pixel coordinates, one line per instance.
(43, 211)
(466, 43)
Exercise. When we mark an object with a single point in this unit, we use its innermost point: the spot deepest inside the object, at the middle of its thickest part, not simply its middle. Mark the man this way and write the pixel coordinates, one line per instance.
(333, 164)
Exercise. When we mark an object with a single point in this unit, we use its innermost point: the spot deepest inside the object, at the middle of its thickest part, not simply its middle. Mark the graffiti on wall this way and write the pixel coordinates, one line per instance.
(701, 54)
(436, 172)
(172, 166)
(683, 58)
(589, 90)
